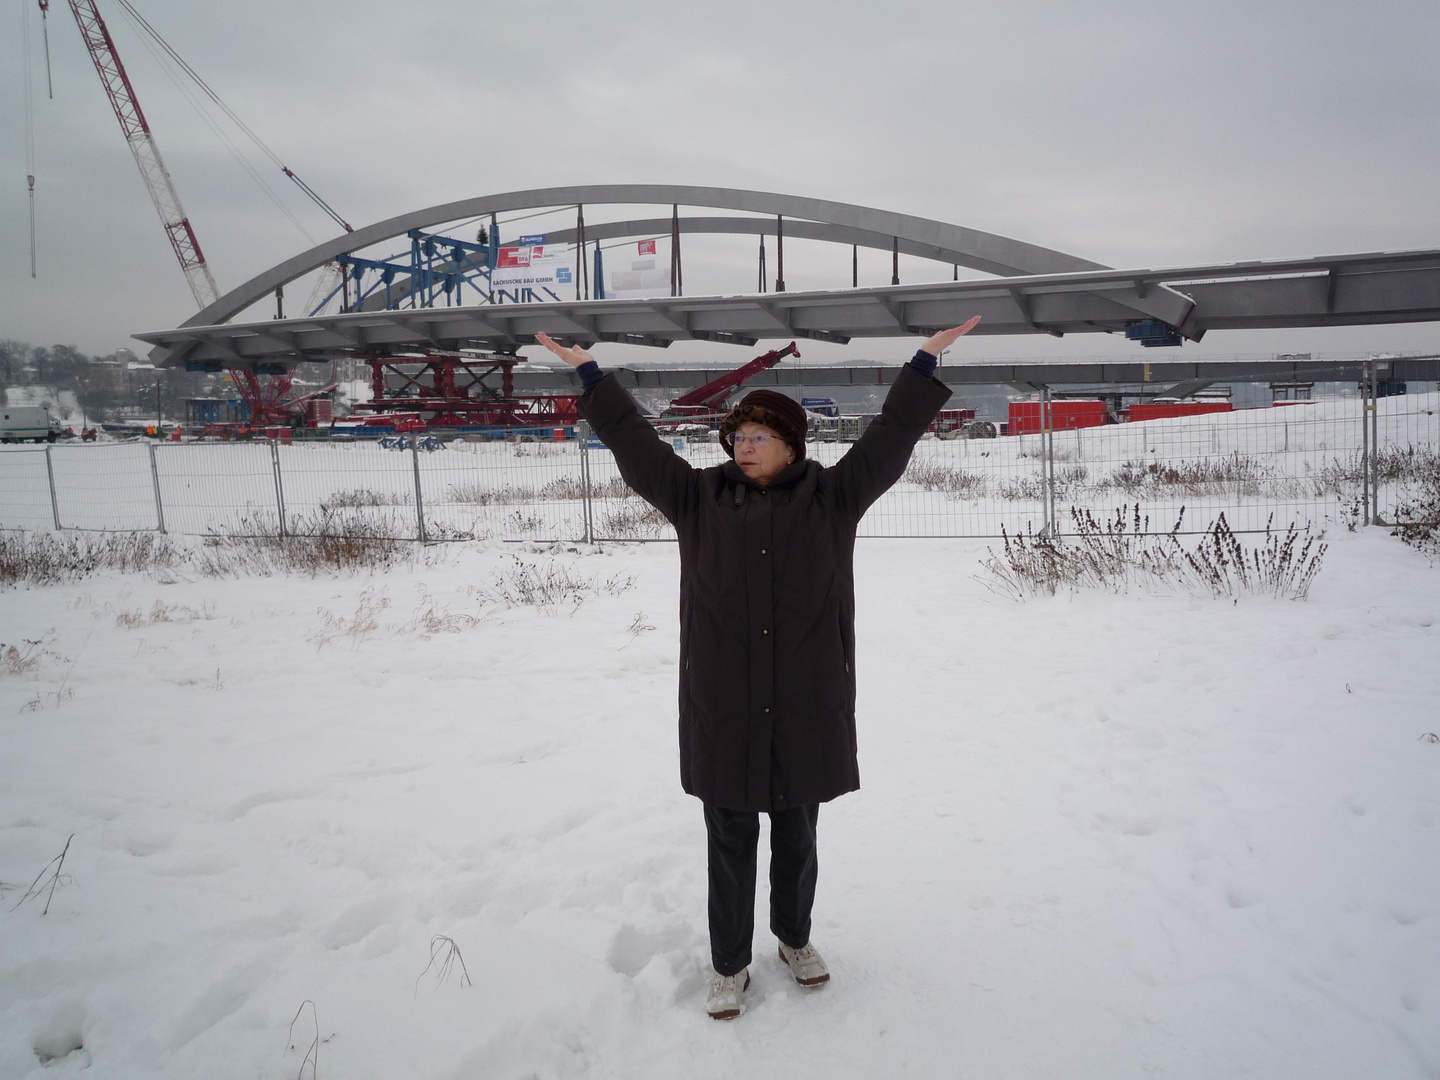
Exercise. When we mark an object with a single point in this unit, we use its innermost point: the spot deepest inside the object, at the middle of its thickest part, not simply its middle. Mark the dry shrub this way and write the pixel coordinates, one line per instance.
(1418, 517)
(355, 498)
(1235, 473)
(1121, 552)
(932, 476)
(633, 519)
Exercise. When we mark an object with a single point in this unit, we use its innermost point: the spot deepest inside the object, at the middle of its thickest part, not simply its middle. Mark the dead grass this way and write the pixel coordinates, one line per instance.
(161, 612)
(550, 586)
(53, 559)
(326, 542)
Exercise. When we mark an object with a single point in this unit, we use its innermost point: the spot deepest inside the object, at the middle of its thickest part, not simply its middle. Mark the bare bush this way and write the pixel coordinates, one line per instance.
(633, 519)
(355, 498)
(480, 495)
(1022, 488)
(1235, 473)
(1276, 568)
(1118, 553)
(932, 476)
(1418, 517)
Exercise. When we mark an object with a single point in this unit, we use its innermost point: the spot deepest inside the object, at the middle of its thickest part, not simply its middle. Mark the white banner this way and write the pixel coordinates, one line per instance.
(641, 280)
(542, 266)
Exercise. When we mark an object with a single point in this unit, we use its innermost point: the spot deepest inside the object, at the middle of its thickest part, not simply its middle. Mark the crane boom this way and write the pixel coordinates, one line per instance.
(147, 153)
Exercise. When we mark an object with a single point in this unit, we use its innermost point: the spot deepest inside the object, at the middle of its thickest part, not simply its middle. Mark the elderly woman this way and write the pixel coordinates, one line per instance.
(767, 633)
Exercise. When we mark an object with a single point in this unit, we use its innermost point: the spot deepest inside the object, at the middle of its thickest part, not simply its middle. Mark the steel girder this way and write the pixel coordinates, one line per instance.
(1335, 291)
(1166, 376)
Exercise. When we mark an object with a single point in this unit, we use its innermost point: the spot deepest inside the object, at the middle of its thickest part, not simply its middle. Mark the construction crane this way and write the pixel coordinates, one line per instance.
(147, 154)
(710, 398)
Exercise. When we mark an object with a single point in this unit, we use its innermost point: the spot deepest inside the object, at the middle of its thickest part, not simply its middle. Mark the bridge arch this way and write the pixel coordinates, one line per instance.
(805, 218)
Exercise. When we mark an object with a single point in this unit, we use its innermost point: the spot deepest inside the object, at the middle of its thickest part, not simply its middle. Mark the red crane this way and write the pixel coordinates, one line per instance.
(711, 397)
(147, 153)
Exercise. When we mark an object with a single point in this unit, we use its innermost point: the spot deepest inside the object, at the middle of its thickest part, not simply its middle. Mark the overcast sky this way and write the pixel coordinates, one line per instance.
(1137, 134)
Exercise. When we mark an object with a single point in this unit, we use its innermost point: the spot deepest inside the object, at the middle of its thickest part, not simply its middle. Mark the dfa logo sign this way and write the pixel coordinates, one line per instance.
(525, 274)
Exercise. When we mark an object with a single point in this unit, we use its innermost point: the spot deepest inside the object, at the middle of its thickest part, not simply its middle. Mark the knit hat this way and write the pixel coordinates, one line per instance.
(779, 413)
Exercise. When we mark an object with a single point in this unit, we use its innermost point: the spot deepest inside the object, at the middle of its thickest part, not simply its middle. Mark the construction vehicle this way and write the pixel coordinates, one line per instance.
(26, 423)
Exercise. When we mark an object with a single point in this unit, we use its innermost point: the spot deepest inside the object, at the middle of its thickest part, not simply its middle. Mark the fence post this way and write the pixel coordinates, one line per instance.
(279, 484)
(582, 432)
(54, 502)
(1366, 386)
(155, 479)
(1047, 459)
(419, 499)
(1376, 519)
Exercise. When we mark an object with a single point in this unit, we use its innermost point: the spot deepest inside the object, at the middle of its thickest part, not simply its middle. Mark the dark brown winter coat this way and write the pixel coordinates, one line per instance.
(767, 599)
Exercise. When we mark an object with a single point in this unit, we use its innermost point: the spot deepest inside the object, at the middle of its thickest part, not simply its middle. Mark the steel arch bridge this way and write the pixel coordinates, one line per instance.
(1031, 289)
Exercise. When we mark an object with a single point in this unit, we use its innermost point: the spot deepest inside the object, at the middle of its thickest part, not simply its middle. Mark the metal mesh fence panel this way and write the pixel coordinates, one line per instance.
(620, 514)
(1407, 466)
(217, 487)
(25, 490)
(1291, 463)
(1305, 463)
(964, 487)
(357, 487)
(105, 487)
(505, 490)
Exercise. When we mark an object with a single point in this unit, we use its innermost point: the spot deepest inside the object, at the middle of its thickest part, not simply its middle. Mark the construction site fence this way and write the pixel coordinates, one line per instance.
(1343, 460)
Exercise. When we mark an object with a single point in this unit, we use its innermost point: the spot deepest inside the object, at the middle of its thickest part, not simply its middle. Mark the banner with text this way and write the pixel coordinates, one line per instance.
(539, 266)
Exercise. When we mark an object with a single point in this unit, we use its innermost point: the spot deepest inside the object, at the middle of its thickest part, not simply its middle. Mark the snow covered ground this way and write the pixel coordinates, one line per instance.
(1099, 836)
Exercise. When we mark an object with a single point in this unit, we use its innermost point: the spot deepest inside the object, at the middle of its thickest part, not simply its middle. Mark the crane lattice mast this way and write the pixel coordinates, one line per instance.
(147, 153)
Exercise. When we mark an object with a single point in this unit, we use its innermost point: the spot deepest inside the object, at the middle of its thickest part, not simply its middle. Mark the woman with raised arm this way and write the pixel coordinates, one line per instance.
(767, 633)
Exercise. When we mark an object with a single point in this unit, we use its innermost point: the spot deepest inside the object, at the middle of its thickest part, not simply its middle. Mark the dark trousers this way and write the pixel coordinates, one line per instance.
(733, 836)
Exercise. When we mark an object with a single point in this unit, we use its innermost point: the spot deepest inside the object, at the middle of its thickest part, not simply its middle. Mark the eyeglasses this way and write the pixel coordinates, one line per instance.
(759, 439)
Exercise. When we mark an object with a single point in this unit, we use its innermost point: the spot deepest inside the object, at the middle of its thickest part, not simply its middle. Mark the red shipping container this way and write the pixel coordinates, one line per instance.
(1165, 410)
(1064, 416)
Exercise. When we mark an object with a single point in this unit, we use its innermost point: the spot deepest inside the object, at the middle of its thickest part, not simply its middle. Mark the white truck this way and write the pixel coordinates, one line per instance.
(22, 423)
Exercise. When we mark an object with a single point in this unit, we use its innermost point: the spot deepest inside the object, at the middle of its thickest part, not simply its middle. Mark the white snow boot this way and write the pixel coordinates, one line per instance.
(727, 994)
(805, 964)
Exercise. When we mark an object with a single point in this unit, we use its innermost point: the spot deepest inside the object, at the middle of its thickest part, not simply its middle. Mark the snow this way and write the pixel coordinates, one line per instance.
(1098, 835)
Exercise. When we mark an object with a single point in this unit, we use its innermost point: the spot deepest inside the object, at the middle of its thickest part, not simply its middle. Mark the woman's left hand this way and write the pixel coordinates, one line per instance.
(945, 338)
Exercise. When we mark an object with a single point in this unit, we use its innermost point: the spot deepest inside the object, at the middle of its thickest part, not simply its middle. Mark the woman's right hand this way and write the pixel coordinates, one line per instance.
(945, 338)
(574, 355)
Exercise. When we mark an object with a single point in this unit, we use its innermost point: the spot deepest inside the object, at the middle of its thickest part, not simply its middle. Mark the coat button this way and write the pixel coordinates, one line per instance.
(763, 551)
(767, 708)
(765, 631)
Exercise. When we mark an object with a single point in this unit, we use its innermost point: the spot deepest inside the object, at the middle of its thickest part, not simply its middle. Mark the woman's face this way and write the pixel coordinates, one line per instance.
(761, 460)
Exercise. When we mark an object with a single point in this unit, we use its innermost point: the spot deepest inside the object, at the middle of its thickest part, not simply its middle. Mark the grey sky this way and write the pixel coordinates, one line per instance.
(1136, 134)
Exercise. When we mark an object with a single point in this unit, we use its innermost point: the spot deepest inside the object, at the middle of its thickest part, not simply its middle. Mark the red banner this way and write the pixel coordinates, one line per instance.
(647, 247)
